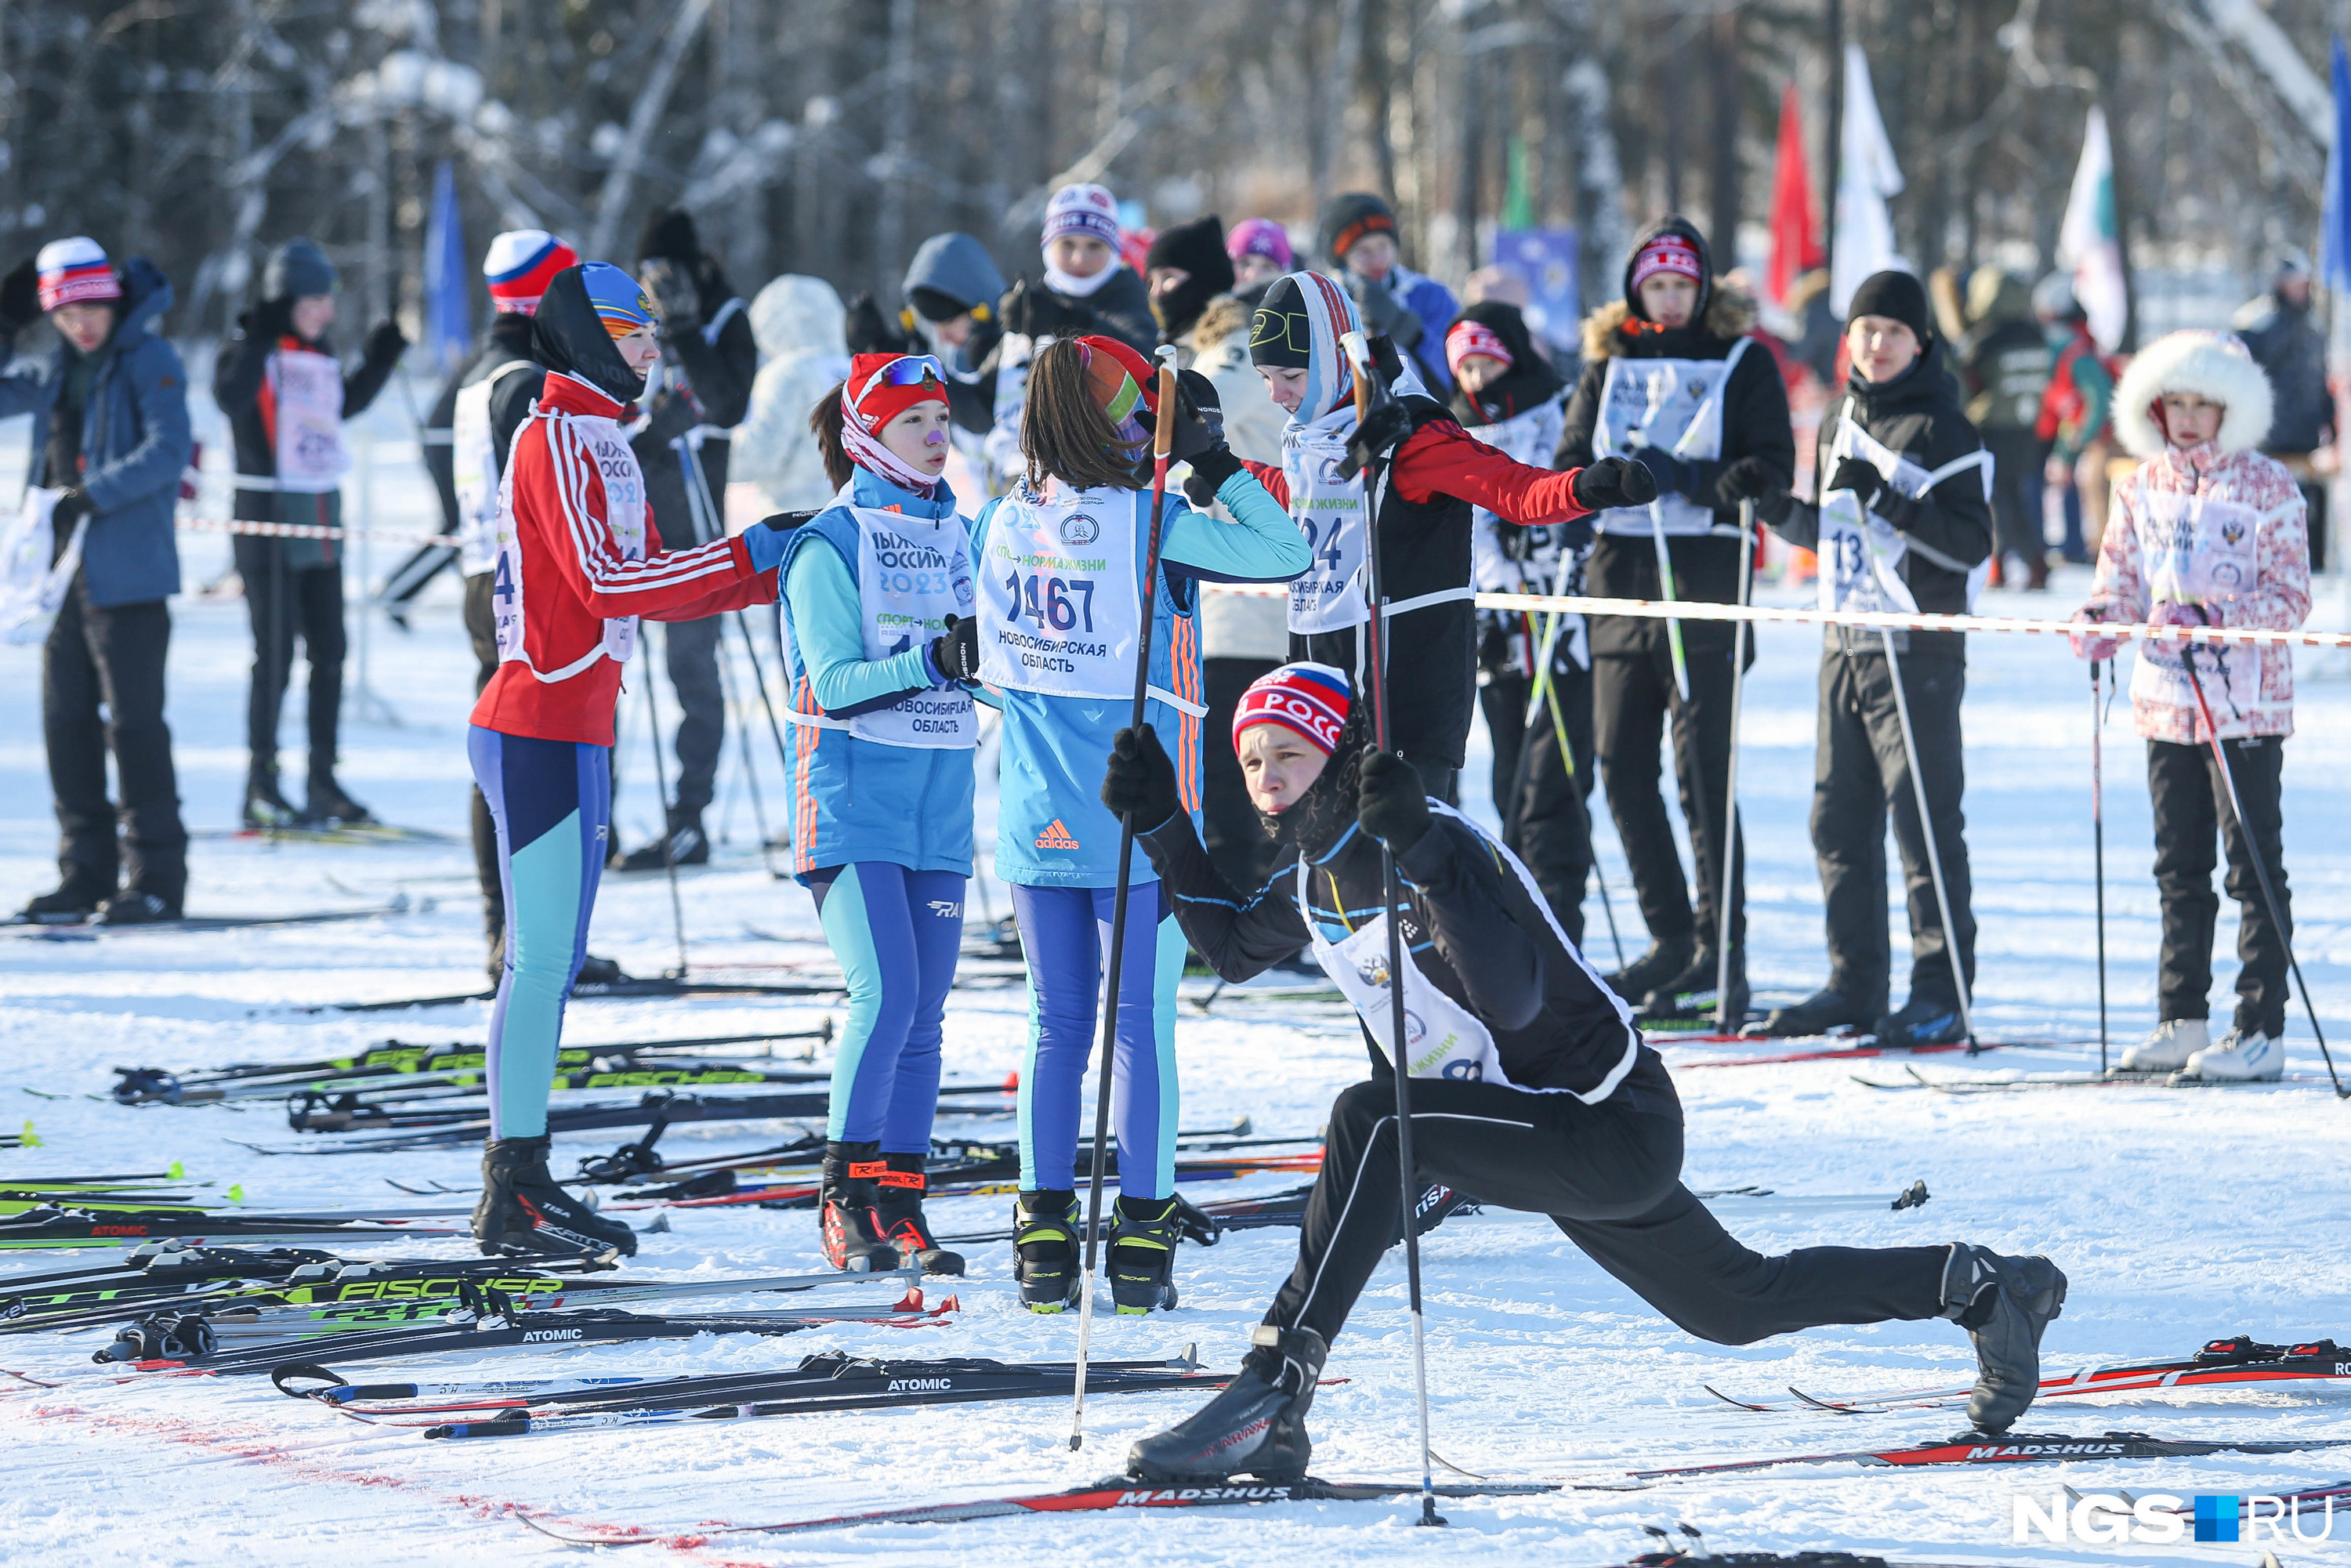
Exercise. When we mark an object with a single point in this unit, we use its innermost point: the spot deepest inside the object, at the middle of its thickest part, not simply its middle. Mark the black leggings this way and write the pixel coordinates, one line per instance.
(1610, 1177)
(285, 601)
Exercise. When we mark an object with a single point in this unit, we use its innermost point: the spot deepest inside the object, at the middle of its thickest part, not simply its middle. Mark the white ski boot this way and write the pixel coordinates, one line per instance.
(2168, 1048)
(2239, 1058)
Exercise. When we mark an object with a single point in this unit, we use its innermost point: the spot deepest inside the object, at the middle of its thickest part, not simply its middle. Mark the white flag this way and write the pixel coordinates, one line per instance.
(1867, 176)
(2089, 243)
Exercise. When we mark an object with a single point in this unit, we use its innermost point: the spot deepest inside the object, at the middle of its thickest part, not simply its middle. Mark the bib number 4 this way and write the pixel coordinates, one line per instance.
(1055, 602)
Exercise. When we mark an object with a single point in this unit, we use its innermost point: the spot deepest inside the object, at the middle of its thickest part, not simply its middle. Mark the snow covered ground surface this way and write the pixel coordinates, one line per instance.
(2180, 1216)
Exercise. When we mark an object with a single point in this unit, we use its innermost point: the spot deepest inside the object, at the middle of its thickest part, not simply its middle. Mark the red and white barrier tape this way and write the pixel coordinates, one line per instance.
(1688, 609)
(310, 531)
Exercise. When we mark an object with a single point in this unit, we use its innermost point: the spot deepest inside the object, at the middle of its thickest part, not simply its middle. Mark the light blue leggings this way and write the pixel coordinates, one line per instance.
(897, 933)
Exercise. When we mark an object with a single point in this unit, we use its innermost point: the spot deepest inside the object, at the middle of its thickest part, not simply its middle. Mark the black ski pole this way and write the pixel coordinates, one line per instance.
(2099, 846)
(660, 788)
(1392, 894)
(1163, 438)
(2261, 869)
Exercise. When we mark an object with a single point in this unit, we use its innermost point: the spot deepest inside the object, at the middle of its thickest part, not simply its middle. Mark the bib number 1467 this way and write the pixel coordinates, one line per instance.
(1057, 603)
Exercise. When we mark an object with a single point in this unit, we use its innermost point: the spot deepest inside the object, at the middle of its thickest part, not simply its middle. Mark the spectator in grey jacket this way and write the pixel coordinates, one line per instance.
(110, 413)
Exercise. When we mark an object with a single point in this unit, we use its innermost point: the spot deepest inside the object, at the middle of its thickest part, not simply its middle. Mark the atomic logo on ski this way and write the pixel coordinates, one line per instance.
(1056, 837)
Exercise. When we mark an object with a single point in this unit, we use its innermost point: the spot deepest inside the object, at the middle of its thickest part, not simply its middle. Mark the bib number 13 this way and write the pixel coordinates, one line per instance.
(1060, 603)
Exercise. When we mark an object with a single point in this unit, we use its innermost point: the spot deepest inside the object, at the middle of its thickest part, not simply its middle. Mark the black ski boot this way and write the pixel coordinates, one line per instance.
(1666, 957)
(899, 1207)
(1143, 1240)
(2004, 1303)
(1923, 1020)
(1256, 1426)
(1045, 1250)
(133, 906)
(852, 1233)
(687, 845)
(265, 808)
(1690, 994)
(78, 893)
(595, 971)
(523, 1211)
(327, 803)
(1825, 1011)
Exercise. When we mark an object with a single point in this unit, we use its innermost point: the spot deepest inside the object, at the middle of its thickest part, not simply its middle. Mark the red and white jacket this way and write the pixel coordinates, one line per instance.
(579, 563)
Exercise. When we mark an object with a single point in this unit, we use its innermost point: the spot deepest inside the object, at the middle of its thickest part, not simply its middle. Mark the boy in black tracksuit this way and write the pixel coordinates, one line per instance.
(703, 390)
(1702, 406)
(1925, 548)
(1572, 1117)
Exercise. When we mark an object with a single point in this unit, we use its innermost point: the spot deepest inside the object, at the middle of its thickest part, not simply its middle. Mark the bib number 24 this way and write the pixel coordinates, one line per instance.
(1060, 603)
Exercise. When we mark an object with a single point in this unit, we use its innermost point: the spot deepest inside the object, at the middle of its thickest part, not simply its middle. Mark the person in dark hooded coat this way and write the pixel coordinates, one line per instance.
(1186, 268)
(1672, 380)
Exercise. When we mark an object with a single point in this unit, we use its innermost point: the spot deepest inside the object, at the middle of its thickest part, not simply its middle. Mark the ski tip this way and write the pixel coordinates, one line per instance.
(1077, 1441)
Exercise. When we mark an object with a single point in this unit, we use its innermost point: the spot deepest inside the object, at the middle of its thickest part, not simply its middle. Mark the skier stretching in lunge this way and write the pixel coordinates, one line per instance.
(1541, 1095)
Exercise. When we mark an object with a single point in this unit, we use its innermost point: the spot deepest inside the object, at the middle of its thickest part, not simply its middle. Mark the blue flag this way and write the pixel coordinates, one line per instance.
(2335, 222)
(448, 303)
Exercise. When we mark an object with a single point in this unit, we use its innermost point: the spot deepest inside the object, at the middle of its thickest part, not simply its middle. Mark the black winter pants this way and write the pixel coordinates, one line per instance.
(1230, 830)
(2016, 493)
(1609, 1176)
(2191, 808)
(1542, 794)
(690, 650)
(284, 602)
(1860, 773)
(1632, 698)
(112, 657)
(481, 625)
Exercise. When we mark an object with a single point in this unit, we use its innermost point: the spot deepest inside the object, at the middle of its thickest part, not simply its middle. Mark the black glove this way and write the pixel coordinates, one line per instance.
(267, 320)
(1139, 784)
(1392, 803)
(20, 296)
(1380, 431)
(1200, 417)
(1749, 479)
(384, 344)
(1614, 482)
(1862, 478)
(1383, 312)
(869, 331)
(72, 507)
(1210, 469)
(955, 655)
(1036, 312)
(672, 286)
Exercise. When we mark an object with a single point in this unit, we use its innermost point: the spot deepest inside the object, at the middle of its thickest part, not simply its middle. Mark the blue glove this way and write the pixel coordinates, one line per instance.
(1674, 477)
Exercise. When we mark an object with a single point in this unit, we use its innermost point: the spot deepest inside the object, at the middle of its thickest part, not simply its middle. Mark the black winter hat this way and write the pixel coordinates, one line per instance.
(1898, 294)
(669, 234)
(1348, 218)
(1198, 247)
(1281, 334)
(296, 268)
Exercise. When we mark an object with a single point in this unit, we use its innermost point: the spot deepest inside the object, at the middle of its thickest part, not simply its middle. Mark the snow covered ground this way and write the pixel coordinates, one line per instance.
(2179, 1215)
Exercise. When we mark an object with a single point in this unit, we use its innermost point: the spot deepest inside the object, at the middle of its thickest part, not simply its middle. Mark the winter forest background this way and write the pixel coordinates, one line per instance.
(830, 138)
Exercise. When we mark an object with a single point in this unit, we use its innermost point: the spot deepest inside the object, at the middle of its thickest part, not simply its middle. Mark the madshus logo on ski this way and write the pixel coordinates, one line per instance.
(2163, 1518)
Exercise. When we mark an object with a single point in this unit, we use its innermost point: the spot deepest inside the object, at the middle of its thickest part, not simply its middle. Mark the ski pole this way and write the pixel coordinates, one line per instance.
(2261, 869)
(1391, 892)
(2098, 847)
(669, 840)
(1548, 690)
(1730, 776)
(1163, 441)
(718, 529)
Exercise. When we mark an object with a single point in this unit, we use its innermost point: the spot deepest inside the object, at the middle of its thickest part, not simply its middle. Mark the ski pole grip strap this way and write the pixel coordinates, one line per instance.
(913, 1180)
(868, 1170)
(282, 1375)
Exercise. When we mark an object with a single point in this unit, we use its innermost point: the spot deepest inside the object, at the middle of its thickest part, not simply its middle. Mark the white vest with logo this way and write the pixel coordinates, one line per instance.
(307, 388)
(1861, 553)
(1675, 405)
(912, 574)
(624, 513)
(473, 459)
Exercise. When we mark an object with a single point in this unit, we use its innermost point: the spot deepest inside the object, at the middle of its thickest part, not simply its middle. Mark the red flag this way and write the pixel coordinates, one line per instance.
(1795, 237)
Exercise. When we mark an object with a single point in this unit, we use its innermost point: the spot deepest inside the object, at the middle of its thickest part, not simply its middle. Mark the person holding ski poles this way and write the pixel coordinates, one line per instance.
(1904, 523)
(880, 761)
(2206, 531)
(1508, 397)
(1673, 381)
(1059, 563)
(1437, 474)
(578, 565)
(1541, 1097)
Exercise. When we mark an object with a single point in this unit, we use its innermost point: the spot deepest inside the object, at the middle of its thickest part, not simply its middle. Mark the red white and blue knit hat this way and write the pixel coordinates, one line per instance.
(521, 263)
(1310, 700)
(1082, 210)
(72, 270)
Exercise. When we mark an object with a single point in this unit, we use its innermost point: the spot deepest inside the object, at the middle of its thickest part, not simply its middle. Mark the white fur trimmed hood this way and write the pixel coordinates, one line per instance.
(2214, 365)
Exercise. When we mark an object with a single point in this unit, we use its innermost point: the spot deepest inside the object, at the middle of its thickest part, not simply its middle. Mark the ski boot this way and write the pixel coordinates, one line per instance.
(134, 908)
(327, 803)
(1825, 1011)
(2240, 1056)
(1666, 957)
(685, 844)
(2004, 1303)
(1142, 1237)
(852, 1234)
(1690, 994)
(899, 1207)
(595, 971)
(1256, 1426)
(1923, 1020)
(266, 808)
(523, 1211)
(1046, 1251)
(79, 894)
(2168, 1048)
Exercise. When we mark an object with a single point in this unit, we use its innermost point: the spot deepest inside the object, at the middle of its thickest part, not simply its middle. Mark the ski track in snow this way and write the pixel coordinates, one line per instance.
(2180, 1216)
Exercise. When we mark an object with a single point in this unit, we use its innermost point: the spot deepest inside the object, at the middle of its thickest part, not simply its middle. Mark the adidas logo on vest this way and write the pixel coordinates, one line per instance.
(1056, 837)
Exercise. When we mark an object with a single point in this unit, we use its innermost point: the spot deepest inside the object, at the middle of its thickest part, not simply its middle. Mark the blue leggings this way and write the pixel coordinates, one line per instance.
(1063, 932)
(552, 803)
(897, 933)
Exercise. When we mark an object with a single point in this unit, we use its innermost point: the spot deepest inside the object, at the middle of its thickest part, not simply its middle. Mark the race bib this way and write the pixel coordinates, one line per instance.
(1330, 512)
(1675, 405)
(1060, 609)
(1861, 553)
(2197, 548)
(624, 513)
(912, 574)
(307, 390)
(474, 460)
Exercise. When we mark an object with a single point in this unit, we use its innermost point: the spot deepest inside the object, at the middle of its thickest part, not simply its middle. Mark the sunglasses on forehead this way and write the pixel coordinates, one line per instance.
(906, 371)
